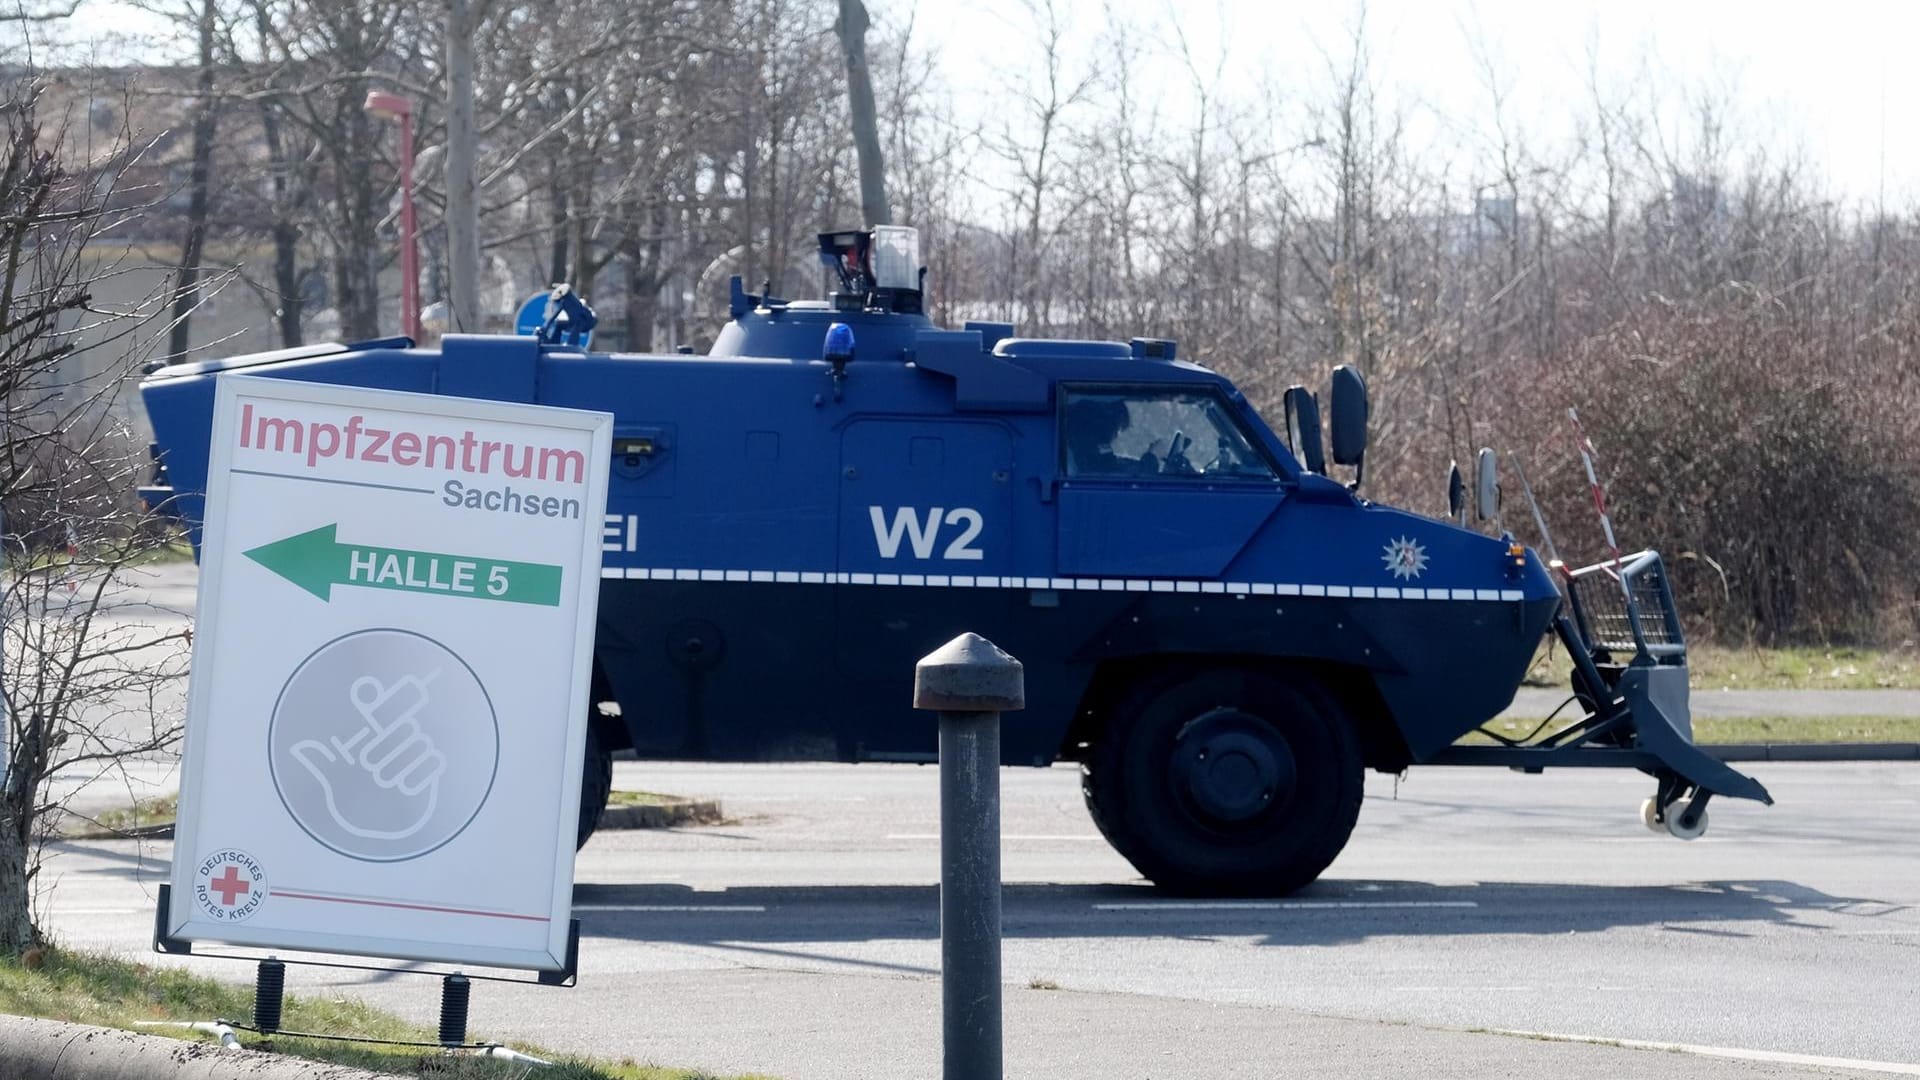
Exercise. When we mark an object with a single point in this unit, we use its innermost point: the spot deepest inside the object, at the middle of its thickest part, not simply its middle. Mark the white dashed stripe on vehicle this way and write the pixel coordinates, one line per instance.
(1132, 585)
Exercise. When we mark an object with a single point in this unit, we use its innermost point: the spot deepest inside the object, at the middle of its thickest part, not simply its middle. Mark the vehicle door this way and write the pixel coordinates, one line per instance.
(1157, 482)
(926, 531)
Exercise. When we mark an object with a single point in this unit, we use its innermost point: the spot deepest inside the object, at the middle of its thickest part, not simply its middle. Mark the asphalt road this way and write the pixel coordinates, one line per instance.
(148, 604)
(802, 941)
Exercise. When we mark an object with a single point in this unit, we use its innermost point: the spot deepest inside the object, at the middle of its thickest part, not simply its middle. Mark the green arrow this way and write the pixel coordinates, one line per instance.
(317, 562)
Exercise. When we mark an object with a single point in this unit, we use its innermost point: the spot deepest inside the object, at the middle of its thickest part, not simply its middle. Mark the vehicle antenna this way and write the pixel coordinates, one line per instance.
(1539, 519)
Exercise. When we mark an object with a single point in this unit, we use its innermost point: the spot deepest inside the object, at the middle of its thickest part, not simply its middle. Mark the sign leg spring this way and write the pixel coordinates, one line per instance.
(269, 991)
(455, 991)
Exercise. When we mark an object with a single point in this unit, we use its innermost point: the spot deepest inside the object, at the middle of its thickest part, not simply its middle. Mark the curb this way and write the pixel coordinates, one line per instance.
(55, 1050)
(1813, 751)
(671, 815)
(95, 832)
(73, 825)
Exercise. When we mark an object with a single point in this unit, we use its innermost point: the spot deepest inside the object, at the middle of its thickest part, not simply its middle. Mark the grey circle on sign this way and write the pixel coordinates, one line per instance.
(383, 745)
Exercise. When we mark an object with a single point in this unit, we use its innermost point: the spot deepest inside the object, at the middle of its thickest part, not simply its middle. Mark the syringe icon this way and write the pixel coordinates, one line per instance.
(390, 714)
(391, 749)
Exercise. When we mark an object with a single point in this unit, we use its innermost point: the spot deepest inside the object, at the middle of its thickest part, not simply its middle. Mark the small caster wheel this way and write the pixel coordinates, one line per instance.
(1650, 815)
(1677, 816)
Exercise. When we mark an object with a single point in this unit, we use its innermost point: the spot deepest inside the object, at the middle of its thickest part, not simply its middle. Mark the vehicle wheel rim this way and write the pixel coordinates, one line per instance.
(1231, 767)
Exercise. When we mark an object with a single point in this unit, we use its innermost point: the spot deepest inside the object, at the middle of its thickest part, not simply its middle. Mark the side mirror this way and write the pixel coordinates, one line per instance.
(1303, 428)
(1349, 417)
(1456, 494)
(1487, 486)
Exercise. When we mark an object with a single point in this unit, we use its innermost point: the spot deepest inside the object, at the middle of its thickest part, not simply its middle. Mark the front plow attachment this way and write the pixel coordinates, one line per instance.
(1656, 700)
(1630, 678)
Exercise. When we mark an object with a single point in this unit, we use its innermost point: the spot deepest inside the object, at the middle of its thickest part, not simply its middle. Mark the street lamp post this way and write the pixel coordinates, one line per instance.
(388, 106)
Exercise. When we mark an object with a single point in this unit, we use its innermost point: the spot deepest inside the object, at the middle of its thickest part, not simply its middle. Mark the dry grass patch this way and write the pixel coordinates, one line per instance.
(87, 988)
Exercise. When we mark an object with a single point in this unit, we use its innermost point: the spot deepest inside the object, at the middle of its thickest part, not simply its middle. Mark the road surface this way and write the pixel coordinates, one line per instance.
(802, 940)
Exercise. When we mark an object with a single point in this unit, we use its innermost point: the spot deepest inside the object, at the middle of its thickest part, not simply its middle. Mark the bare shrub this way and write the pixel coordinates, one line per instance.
(1784, 486)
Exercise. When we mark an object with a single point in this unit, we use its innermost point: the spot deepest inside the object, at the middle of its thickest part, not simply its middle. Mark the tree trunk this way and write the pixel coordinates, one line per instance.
(643, 306)
(286, 281)
(777, 221)
(579, 235)
(357, 270)
(286, 233)
(463, 213)
(852, 28)
(643, 283)
(186, 295)
(16, 893)
(559, 258)
(586, 269)
(749, 180)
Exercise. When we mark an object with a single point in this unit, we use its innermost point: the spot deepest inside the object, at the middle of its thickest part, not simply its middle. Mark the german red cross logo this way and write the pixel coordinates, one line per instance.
(229, 885)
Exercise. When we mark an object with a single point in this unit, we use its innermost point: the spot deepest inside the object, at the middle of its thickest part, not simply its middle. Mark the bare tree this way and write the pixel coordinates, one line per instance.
(319, 59)
(463, 210)
(40, 12)
(206, 116)
(82, 678)
(1031, 141)
(852, 29)
(1666, 255)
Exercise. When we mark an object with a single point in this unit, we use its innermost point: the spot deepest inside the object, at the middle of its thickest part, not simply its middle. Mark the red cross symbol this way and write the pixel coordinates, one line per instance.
(230, 887)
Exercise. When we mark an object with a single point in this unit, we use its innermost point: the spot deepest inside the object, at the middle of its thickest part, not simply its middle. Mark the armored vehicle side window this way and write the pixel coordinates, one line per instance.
(1129, 433)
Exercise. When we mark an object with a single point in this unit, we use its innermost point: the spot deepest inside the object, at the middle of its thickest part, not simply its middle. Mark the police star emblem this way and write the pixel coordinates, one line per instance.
(1405, 558)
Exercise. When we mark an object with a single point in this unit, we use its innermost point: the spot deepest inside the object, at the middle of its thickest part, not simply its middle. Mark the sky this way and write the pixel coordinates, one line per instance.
(1835, 79)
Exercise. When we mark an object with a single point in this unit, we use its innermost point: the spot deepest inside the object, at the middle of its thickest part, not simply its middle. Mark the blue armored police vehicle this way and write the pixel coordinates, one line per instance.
(1222, 634)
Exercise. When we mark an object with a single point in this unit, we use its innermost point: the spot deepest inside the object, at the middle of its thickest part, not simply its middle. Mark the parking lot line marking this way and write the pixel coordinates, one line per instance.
(1280, 905)
(725, 909)
(1756, 838)
(1008, 836)
(1468, 988)
(1777, 1057)
(797, 798)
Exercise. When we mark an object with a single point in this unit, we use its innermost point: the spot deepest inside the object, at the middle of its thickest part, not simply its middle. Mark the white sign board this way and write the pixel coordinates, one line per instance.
(388, 701)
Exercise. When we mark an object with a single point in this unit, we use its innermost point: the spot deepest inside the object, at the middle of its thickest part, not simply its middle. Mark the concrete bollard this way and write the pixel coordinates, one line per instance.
(970, 682)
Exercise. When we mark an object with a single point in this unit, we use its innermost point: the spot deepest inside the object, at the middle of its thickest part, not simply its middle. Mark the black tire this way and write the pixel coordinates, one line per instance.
(596, 784)
(1241, 822)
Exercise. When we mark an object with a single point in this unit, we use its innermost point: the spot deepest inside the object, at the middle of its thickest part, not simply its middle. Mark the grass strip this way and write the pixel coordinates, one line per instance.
(146, 819)
(159, 810)
(173, 550)
(88, 988)
(1806, 729)
(147, 815)
(1718, 667)
(1756, 729)
(643, 798)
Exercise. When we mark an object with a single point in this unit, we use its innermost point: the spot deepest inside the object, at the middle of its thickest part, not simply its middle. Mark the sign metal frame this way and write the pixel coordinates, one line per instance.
(179, 922)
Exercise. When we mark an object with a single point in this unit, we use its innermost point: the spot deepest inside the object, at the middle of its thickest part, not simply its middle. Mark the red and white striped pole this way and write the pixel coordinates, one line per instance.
(1587, 455)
